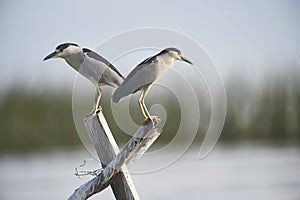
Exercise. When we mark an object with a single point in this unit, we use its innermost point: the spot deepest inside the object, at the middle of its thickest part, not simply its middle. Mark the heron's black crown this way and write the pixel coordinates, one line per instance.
(65, 45)
(168, 50)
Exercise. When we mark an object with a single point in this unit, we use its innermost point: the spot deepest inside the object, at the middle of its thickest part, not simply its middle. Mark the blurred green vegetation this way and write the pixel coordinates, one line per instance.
(269, 110)
(29, 121)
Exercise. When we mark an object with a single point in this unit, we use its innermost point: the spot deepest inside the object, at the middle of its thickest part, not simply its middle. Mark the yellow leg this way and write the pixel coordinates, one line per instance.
(97, 105)
(142, 105)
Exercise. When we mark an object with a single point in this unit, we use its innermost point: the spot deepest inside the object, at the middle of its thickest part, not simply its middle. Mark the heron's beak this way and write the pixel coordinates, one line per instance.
(186, 60)
(51, 55)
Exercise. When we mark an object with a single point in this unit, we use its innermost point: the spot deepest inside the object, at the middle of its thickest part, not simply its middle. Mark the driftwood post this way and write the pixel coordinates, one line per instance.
(107, 149)
(113, 161)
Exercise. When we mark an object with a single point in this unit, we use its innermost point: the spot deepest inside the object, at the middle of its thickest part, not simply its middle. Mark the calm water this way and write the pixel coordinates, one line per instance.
(239, 172)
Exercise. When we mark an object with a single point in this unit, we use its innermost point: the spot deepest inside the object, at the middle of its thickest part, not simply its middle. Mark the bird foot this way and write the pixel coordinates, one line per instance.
(94, 111)
(154, 119)
(99, 109)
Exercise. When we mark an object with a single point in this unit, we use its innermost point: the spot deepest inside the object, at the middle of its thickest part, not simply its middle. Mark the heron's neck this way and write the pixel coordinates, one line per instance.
(75, 60)
(166, 60)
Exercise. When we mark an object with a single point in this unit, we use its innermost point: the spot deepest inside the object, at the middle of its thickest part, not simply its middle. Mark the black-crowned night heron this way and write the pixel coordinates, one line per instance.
(91, 65)
(143, 75)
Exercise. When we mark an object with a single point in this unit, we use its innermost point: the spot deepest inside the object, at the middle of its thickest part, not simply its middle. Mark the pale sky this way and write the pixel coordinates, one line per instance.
(244, 34)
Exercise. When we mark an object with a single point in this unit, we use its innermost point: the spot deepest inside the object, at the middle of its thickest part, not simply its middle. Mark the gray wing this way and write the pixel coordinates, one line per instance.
(96, 56)
(142, 75)
(99, 70)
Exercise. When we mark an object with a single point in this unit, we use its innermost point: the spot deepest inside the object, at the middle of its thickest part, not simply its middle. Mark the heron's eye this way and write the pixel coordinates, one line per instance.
(60, 50)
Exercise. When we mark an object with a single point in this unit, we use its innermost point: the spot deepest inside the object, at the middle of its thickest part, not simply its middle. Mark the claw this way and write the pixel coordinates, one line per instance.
(90, 113)
(146, 120)
(99, 109)
(95, 111)
(154, 119)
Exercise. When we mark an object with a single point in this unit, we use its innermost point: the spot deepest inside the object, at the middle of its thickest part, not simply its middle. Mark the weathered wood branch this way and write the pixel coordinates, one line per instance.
(133, 150)
(107, 149)
(143, 147)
